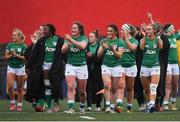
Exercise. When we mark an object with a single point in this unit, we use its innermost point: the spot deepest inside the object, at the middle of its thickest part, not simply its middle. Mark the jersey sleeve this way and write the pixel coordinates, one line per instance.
(177, 36)
(121, 44)
(8, 47)
(24, 48)
(135, 42)
(84, 39)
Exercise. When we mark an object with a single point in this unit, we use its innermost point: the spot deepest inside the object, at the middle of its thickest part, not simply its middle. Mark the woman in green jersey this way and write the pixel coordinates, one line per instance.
(112, 49)
(150, 69)
(76, 68)
(16, 69)
(128, 61)
(172, 69)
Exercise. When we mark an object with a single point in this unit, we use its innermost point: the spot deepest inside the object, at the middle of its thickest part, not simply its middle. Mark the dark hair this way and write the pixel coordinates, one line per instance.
(52, 28)
(137, 28)
(115, 28)
(95, 33)
(80, 27)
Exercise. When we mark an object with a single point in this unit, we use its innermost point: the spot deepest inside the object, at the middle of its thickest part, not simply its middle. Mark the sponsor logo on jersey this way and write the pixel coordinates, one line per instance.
(72, 49)
(126, 50)
(109, 52)
(148, 51)
(49, 49)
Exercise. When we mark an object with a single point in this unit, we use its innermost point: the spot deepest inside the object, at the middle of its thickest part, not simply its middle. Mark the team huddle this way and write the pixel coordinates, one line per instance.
(143, 62)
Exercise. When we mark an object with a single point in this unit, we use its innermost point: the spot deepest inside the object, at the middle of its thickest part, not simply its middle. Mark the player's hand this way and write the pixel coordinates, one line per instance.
(149, 15)
(89, 54)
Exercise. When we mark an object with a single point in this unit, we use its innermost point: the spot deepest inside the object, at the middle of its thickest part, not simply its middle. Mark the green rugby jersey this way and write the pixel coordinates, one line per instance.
(151, 53)
(50, 47)
(14, 62)
(109, 59)
(93, 48)
(128, 58)
(172, 57)
(76, 56)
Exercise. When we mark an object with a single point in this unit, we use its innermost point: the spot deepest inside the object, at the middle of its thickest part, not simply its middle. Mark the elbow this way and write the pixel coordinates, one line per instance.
(160, 47)
(63, 50)
(142, 48)
(6, 57)
(99, 55)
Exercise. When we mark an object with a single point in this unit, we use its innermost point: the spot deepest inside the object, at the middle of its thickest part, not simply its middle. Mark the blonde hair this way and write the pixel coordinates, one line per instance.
(20, 35)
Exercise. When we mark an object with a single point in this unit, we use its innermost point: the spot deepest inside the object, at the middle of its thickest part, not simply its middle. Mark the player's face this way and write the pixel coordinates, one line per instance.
(15, 36)
(149, 30)
(46, 31)
(171, 32)
(75, 30)
(110, 33)
(92, 38)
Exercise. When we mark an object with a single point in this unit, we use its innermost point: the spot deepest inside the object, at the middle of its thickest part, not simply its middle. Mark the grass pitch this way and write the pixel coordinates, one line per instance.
(29, 114)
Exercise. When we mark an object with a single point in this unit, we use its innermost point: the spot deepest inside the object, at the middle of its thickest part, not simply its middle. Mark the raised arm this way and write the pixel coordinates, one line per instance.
(130, 45)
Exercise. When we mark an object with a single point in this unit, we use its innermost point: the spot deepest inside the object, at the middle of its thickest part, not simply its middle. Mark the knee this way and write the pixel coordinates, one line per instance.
(113, 90)
(20, 90)
(106, 87)
(82, 93)
(10, 87)
(130, 89)
(168, 85)
(147, 91)
(71, 88)
(121, 85)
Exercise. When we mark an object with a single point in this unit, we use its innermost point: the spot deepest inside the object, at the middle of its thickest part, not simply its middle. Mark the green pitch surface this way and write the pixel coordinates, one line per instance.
(29, 114)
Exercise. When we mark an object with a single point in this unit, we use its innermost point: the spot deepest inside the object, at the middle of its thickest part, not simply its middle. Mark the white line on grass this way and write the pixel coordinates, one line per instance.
(87, 117)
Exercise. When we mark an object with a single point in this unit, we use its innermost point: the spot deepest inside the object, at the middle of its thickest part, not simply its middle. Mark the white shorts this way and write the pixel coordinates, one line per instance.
(113, 71)
(130, 71)
(145, 71)
(47, 66)
(81, 72)
(16, 71)
(173, 69)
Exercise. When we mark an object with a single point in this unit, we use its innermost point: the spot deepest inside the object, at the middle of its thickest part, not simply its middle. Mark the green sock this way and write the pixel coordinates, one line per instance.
(41, 102)
(119, 102)
(48, 100)
(70, 104)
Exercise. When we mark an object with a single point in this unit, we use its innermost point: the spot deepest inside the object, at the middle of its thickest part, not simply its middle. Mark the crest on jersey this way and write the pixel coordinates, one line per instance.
(155, 45)
(19, 49)
(54, 43)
